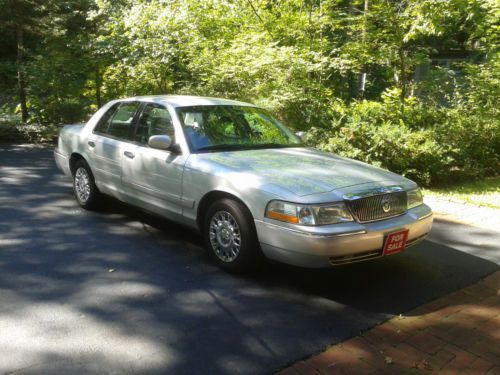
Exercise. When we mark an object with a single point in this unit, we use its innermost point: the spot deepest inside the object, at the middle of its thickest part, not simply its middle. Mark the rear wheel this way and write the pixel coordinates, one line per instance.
(230, 236)
(86, 192)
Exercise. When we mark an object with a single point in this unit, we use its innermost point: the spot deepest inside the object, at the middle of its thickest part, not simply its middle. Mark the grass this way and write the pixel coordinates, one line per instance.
(485, 192)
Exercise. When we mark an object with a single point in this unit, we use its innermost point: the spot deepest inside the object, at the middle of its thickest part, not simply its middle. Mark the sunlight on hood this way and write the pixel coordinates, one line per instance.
(301, 171)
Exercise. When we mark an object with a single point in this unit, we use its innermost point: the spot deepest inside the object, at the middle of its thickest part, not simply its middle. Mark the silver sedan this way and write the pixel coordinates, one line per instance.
(249, 184)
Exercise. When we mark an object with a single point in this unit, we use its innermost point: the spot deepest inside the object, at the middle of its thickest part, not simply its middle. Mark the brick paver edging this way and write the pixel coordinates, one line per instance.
(455, 334)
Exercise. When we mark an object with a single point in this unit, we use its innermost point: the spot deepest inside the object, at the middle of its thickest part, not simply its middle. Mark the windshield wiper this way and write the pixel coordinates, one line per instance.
(240, 146)
(276, 145)
(224, 147)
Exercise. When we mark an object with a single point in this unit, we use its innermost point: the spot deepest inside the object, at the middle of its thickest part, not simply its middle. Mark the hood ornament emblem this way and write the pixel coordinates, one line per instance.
(386, 206)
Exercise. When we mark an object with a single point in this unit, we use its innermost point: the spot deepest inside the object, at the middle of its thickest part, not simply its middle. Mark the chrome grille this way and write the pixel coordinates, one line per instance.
(378, 207)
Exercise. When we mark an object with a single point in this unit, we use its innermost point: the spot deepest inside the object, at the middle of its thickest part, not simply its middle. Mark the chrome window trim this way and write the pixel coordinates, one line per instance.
(372, 192)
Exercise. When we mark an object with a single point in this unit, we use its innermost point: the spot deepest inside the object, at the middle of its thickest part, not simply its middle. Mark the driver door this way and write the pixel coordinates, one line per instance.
(150, 176)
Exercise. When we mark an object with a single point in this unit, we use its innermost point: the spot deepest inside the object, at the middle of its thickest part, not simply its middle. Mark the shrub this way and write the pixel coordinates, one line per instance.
(13, 131)
(59, 112)
(427, 143)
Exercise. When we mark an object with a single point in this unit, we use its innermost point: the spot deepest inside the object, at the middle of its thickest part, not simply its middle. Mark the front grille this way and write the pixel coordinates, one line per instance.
(378, 207)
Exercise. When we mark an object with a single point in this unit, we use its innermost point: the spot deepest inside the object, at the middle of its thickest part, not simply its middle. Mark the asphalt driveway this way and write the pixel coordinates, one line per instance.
(121, 291)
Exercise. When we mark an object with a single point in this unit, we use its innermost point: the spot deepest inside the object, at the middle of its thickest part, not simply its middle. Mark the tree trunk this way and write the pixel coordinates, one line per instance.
(21, 85)
(402, 78)
(98, 83)
(361, 85)
(362, 76)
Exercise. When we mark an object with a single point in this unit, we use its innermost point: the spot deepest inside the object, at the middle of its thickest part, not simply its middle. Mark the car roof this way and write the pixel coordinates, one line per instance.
(186, 100)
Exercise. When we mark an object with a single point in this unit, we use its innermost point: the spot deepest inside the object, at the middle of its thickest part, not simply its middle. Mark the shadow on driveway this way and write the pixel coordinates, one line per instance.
(121, 291)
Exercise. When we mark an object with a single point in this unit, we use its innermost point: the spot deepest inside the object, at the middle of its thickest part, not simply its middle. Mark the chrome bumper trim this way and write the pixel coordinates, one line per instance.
(416, 240)
(344, 243)
(347, 259)
(308, 234)
(425, 216)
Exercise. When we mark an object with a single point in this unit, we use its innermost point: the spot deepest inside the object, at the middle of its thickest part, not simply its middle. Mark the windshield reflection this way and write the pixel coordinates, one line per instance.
(228, 127)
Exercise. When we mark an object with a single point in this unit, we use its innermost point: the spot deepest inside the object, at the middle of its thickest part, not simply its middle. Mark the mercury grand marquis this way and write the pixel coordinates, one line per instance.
(244, 180)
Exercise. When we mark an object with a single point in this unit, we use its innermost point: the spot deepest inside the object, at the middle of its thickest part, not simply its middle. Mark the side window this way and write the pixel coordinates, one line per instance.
(118, 123)
(103, 124)
(155, 120)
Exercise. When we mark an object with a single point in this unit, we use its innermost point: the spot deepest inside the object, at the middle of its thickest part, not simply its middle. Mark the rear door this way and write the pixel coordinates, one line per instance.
(107, 143)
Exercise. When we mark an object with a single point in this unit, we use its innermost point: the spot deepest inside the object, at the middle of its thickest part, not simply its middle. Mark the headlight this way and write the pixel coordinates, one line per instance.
(308, 214)
(414, 198)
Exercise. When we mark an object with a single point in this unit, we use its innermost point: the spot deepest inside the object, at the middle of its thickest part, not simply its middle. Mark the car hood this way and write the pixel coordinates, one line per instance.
(301, 171)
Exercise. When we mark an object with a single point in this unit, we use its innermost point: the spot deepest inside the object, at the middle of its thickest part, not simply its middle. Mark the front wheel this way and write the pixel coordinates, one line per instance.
(230, 236)
(86, 192)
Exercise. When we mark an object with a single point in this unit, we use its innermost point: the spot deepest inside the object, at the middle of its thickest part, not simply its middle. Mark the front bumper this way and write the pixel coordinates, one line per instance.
(336, 244)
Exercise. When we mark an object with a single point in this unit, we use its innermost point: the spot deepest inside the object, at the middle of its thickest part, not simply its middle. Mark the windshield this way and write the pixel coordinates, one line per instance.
(227, 127)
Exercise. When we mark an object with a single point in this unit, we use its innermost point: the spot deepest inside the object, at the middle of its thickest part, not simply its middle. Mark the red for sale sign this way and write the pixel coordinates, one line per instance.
(395, 242)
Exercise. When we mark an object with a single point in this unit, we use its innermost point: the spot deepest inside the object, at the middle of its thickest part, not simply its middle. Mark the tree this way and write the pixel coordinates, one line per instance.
(22, 18)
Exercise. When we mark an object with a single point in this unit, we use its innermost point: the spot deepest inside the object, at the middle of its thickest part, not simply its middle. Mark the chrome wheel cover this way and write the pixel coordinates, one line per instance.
(225, 236)
(82, 185)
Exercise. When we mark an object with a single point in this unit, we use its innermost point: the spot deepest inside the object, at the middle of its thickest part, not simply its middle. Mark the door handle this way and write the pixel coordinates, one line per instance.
(91, 144)
(129, 154)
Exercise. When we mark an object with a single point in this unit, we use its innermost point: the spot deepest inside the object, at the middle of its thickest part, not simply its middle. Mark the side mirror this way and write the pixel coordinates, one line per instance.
(302, 136)
(161, 142)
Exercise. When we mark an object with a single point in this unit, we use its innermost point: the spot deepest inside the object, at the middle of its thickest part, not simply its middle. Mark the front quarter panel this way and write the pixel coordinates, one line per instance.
(201, 178)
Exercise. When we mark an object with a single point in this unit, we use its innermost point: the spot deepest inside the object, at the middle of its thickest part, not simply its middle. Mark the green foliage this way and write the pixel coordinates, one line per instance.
(375, 132)
(9, 126)
(302, 60)
(61, 111)
(12, 130)
(428, 143)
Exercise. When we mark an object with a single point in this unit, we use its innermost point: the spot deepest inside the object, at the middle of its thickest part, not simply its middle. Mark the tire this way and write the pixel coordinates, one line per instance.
(86, 193)
(230, 236)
